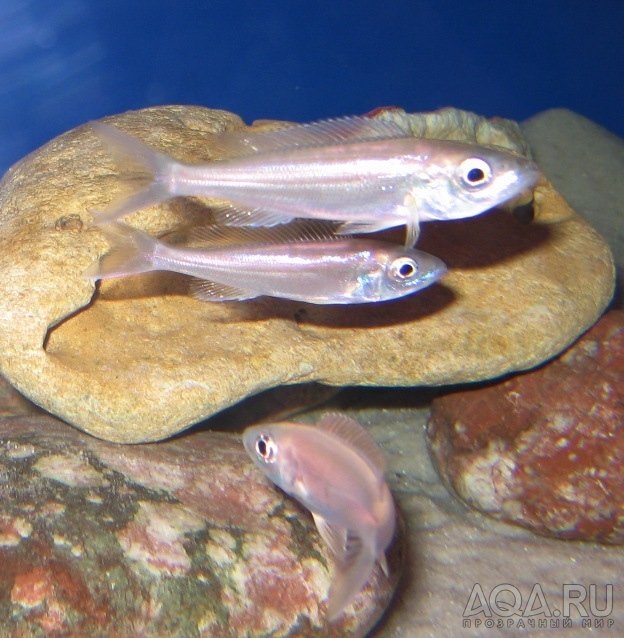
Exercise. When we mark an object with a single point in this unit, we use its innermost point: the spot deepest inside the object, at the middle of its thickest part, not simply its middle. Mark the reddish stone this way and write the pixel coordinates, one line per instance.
(544, 449)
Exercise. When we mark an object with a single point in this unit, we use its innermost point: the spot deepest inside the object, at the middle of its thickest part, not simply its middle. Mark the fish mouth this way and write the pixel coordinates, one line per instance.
(529, 175)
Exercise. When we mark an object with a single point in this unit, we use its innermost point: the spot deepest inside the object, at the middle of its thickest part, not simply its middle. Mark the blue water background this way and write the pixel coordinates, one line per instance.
(64, 62)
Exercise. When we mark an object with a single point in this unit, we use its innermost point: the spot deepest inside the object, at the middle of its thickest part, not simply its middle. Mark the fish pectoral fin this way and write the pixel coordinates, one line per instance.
(356, 228)
(234, 215)
(334, 537)
(206, 290)
(352, 573)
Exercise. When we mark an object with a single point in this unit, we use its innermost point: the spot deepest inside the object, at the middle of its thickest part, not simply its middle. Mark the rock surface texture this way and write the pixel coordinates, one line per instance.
(544, 449)
(98, 539)
(137, 359)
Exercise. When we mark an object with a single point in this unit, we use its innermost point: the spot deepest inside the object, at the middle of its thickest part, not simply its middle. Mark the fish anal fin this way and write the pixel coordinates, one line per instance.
(235, 215)
(334, 537)
(352, 433)
(206, 290)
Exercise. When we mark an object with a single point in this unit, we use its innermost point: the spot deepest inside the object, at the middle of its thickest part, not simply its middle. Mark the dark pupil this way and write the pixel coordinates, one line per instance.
(475, 175)
(262, 447)
(406, 270)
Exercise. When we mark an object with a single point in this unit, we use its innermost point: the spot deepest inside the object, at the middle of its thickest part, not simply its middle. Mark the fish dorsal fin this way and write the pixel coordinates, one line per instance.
(334, 537)
(351, 432)
(206, 290)
(321, 133)
(297, 232)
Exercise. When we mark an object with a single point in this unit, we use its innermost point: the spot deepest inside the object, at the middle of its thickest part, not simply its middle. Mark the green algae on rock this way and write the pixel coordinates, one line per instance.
(139, 360)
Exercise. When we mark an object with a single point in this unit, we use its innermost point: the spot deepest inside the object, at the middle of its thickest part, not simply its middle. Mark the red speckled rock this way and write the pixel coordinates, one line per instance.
(182, 538)
(544, 449)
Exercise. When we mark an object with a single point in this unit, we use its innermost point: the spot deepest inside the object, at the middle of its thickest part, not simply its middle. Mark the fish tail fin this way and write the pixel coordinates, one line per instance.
(352, 573)
(146, 174)
(132, 253)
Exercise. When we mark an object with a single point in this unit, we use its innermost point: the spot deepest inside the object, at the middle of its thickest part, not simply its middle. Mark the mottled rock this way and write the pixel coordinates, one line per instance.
(98, 539)
(138, 359)
(453, 124)
(454, 550)
(544, 449)
(585, 163)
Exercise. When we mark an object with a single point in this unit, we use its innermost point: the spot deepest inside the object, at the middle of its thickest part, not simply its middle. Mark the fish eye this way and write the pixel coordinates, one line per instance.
(475, 172)
(266, 448)
(403, 268)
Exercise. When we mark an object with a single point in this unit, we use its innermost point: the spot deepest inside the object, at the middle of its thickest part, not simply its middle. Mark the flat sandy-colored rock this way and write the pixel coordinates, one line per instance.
(138, 359)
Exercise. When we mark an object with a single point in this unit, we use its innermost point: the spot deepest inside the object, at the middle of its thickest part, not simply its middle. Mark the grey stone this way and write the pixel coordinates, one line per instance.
(585, 163)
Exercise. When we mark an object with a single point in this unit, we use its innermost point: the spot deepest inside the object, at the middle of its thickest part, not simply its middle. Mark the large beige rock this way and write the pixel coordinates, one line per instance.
(138, 360)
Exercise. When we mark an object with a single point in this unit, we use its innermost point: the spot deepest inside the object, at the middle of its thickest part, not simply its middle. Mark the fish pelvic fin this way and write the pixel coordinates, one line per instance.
(412, 232)
(132, 252)
(334, 537)
(383, 563)
(352, 573)
(357, 228)
(145, 173)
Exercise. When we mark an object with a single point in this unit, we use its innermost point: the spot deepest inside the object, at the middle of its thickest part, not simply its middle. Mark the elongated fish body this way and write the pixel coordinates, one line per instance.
(365, 173)
(302, 264)
(335, 470)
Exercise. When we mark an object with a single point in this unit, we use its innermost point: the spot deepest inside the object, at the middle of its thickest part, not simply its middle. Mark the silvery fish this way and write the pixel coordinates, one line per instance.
(336, 470)
(300, 262)
(367, 174)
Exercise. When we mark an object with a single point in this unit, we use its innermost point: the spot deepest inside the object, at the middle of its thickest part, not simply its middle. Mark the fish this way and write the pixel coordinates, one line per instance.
(367, 174)
(302, 262)
(336, 470)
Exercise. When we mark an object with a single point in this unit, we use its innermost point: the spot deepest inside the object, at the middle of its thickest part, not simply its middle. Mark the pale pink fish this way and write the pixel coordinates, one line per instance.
(300, 262)
(367, 174)
(336, 470)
